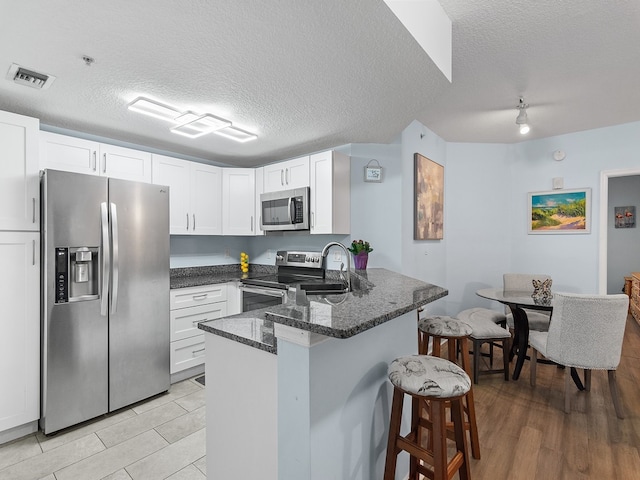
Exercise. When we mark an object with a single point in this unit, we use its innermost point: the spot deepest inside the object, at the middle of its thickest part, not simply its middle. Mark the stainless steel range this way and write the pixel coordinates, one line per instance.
(294, 268)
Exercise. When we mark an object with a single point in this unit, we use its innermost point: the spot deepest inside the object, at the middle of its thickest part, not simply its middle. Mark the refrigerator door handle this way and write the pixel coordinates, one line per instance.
(106, 260)
(114, 253)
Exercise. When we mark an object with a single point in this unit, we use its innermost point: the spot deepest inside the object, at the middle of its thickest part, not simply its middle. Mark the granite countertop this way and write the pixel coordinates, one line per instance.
(378, 296)
(209, 275)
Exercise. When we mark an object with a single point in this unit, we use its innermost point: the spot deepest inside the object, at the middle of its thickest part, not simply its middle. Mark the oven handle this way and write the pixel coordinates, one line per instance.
(263, 291)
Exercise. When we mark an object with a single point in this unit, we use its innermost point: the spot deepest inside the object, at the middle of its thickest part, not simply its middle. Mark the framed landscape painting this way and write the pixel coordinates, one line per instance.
(428, 219)
(560, 211)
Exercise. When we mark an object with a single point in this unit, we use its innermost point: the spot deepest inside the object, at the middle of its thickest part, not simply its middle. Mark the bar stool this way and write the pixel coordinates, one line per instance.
(452, 330)
(431, 382)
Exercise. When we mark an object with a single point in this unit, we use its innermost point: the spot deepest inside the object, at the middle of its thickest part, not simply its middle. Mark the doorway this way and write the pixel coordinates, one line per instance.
(605, 208)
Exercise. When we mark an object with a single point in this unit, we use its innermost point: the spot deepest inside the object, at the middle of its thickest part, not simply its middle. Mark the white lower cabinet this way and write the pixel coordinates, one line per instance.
(19, 329)
(188, 307)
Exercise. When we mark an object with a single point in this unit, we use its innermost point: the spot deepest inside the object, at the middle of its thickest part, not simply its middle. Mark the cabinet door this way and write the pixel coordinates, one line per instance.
(176, 174)
(19, 182)
(238, 205)
(206, 199)
(70, 154)
(19, 329)
(125, 163)
(273, 180)
(296, 172)
(330, 193)
(292, 173)
(259, 173)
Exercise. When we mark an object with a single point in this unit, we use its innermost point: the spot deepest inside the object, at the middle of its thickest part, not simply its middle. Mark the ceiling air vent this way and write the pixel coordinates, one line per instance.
(30, 78)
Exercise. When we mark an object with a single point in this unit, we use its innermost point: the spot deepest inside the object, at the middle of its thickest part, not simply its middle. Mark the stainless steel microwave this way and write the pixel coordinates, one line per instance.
(285, 210)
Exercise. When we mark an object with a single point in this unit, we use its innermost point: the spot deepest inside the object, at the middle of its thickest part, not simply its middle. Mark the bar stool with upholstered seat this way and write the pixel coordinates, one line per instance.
(431, 382)
(454, 331)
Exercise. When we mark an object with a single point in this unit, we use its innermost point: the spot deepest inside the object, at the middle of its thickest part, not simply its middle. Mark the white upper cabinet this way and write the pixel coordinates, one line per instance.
(125, 163)
(206, 199)
(195, 192)
(330, 193)
(259, 173)
(292, 173)
(19, 181)
(71, 154)
(238, 201)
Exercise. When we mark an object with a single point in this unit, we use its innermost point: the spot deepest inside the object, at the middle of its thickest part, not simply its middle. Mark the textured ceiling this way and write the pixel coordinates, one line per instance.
(310, 75)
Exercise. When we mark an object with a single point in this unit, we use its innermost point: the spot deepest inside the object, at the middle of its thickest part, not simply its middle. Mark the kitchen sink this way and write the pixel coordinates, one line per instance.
(323, 288)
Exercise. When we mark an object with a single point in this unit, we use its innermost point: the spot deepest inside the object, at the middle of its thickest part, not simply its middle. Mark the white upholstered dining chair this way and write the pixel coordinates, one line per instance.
(523, 282)
(586, 332)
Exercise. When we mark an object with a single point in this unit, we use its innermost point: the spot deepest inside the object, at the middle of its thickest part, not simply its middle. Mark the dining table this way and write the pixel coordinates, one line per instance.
(518, 302)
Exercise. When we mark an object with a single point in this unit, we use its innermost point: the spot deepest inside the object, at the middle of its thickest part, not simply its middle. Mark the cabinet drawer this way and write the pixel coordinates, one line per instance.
(192, 296)
(184, 320)
(187, 353)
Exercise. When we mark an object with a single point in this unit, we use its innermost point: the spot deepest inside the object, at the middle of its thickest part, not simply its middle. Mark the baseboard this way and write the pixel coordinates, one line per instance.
(188, 373)
(17, 432)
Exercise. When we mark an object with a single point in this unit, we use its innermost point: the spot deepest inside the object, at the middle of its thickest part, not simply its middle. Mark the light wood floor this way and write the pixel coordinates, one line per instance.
(525, 434)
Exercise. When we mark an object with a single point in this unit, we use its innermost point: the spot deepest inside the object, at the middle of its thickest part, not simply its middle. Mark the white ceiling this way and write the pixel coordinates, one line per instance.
(309, 75)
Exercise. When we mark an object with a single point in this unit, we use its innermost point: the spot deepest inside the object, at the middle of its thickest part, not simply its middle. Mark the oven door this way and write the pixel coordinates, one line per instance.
(254, 298)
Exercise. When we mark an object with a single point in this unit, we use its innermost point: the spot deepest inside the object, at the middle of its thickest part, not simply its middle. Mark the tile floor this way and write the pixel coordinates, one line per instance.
(162, 438)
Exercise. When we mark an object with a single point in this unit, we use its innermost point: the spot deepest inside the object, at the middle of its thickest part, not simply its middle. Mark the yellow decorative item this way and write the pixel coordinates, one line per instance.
(244, 262)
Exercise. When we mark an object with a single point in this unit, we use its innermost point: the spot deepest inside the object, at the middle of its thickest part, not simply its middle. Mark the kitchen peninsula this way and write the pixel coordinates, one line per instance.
(300, 390)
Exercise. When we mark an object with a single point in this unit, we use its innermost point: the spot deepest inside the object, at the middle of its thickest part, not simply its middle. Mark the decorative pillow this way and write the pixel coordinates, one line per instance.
(541, 289)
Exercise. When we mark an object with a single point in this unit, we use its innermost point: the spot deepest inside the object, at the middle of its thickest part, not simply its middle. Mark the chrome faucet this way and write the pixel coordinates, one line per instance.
(325, 252)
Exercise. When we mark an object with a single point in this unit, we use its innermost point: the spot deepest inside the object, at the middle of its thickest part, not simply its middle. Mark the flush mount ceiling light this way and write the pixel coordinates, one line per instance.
(236, 134)
(190, 124)
(201, 125)
(154, 109)
(522, 119)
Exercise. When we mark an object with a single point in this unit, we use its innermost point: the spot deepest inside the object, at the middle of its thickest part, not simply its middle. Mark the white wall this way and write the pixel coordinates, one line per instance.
(376, 205)
(477, 253)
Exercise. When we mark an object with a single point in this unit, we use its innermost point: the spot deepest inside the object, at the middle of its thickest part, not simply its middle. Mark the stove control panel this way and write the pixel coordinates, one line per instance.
(298, 259)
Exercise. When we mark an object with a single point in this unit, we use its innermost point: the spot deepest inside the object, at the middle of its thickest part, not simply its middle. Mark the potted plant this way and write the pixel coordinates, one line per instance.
(360, 250)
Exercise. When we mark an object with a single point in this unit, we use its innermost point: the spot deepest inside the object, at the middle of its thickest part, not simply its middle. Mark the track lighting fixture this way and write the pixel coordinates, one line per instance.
(522, 119)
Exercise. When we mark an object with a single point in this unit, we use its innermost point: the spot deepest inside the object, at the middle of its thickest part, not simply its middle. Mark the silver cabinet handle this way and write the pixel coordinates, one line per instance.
(312, 222)
(194, 222)
(202, 296)
(34, 210)
(33, 244)
(104, 166)
(195, 322)
(114, 253)
(281, 177)
(106, 259)
(187, 222)
(94, 161)
(286, 176)
(252, 223)
(197, 351)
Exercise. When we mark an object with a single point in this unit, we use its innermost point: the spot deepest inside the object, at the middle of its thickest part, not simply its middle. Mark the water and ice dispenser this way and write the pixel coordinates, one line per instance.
(76, 274)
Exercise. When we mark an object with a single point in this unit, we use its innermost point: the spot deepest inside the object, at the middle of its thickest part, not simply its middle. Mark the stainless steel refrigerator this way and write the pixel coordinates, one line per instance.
(105, 305)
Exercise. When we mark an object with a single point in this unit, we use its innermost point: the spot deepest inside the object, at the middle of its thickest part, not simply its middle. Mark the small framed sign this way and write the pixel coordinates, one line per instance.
(373, 173)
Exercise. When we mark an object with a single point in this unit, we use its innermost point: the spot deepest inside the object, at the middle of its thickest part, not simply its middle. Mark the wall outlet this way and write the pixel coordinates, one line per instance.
(337, 256)
(268, 253)
(226, 253)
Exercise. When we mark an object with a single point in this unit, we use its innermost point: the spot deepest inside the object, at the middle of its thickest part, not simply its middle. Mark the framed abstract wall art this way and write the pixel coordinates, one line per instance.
(624, 217)
(428, 219)
(560, 211)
